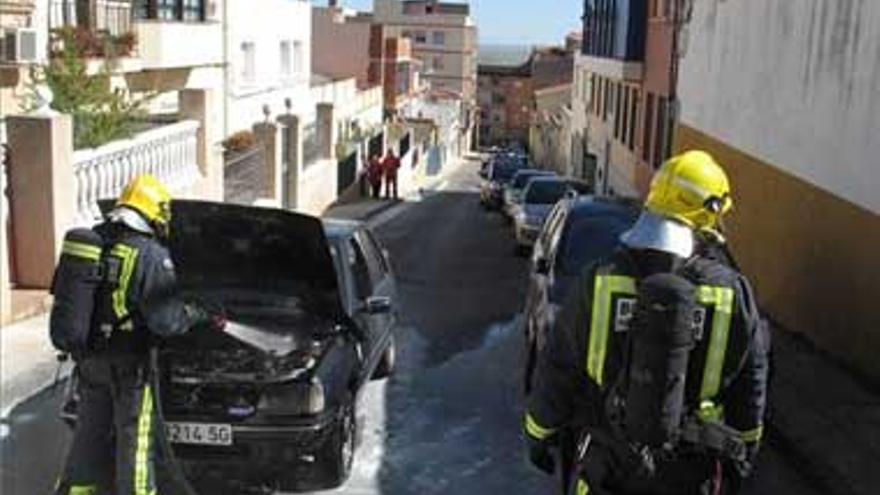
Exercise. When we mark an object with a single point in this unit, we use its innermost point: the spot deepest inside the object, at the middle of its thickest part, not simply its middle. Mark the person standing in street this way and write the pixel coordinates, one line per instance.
(374, 176)
(390, 166)
(658, 361)
(115, 294)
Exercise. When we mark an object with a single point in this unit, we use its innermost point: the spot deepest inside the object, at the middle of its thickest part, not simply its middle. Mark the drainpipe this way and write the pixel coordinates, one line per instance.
(226, 68)
(680, 19)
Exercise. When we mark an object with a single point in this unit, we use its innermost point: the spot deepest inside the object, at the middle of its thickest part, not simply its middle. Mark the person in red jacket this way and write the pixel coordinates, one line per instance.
(374, 176)
(390, 166)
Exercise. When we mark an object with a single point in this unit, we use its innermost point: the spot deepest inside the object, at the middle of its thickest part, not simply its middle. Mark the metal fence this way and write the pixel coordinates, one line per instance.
(109, 16)
(170, 153)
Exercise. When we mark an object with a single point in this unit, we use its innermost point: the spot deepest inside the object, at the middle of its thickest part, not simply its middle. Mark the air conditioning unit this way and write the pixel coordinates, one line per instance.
(19, 46)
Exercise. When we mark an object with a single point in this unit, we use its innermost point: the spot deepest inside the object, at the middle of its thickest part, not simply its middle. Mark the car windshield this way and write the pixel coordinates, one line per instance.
(523, 178)
(545, 192)
(590, 239)
(503, 172)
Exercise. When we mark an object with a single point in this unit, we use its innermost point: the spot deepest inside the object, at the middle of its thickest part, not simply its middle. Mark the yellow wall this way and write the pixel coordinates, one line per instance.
(814, 258)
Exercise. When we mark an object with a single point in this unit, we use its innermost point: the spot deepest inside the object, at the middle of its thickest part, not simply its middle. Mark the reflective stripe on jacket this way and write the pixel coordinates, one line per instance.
(584, 351)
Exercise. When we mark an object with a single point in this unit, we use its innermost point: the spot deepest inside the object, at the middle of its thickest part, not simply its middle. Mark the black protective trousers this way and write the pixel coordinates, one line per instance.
(114, 443)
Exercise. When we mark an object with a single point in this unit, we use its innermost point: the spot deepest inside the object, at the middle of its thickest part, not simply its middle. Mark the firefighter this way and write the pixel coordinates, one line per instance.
(126, 302)
(658, 362)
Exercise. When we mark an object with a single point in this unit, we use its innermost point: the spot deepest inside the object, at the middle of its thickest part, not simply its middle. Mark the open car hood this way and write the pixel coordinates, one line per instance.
(217, 246)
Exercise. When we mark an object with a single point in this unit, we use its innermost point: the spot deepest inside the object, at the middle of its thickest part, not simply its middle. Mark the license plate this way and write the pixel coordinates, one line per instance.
(199, 433)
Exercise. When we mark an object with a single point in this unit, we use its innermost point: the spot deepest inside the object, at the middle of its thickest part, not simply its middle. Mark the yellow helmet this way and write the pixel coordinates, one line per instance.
(691, 188)
(150, 198)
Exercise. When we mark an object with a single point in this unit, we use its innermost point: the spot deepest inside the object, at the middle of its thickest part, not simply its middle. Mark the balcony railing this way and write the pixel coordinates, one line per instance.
(113, 17)
(169, 153)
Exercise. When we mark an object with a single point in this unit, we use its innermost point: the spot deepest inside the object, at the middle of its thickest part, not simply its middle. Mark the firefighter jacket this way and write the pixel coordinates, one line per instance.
(585, 350)
(145, 303)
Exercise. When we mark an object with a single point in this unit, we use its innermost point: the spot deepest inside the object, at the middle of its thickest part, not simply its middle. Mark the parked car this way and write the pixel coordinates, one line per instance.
(538, 198)
(272, 401)
(499, 172)
(578, 232)
(514, 188)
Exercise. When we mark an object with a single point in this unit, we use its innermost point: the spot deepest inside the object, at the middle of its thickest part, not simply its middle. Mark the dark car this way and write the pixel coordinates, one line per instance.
(272, 401)
(497, 174)
(578, 232)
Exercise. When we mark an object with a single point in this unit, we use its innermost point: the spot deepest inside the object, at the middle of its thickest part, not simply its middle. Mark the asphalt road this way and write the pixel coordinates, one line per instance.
(448, 420)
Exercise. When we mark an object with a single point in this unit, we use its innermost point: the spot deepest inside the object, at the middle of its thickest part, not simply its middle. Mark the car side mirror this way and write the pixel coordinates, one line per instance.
(376, 305)
(542, 266)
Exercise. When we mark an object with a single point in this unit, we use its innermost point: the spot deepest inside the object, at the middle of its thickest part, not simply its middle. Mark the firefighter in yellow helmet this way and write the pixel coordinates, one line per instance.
(115, 294)
(657, 365)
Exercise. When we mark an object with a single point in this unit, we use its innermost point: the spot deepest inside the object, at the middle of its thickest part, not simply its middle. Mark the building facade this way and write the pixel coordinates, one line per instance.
(785, 95)
(268, 61)
(444, 38)
(622, 93)
(506, 93)
(505, 99)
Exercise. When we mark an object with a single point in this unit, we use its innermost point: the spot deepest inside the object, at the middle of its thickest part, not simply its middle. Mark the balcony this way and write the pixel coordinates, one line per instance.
(98, 28)
(614, 37)
(178, 33)
(169, 45)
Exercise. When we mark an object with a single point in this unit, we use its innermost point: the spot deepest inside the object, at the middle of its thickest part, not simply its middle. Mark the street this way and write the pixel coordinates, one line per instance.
(448, 421)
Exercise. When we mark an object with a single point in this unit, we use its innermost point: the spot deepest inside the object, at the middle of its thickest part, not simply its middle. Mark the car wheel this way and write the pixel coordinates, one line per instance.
(386, 365)
(337, 454)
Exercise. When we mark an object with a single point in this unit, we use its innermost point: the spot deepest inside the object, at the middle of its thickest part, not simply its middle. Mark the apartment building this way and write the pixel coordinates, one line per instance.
(785, 95)
(506, 92)
(622, 93)
(444, 38)
(505, 96)
(269, 62)
(349, 43)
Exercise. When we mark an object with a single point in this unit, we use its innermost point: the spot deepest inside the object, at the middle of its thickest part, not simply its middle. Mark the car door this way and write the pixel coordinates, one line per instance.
(361, 290)
(381, 290)
(543, 246)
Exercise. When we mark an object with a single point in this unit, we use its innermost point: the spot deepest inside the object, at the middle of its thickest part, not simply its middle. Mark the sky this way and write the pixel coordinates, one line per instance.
(514, 21)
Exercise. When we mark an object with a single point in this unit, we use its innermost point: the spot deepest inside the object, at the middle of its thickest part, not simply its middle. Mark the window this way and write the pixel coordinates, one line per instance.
(193, 10)
(298, 58)
(618, 113)
(166, 9)
(648, 127)
(285, 59)
(375, 259)
(359, 271)
(624, 120)
(437, 63)
(248, 65)
(420, 37)
(633, 118)
(606, 105)
(439, 38)
(660, 134)
(498, 99)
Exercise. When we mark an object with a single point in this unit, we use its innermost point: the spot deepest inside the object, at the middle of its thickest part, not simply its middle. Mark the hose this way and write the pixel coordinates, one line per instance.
(173, 463)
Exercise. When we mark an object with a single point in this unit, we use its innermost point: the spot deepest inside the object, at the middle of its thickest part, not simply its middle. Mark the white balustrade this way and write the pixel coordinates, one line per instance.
(169, 153)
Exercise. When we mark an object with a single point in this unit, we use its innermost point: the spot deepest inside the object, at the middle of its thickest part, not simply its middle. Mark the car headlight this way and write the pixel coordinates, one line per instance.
(293, 398)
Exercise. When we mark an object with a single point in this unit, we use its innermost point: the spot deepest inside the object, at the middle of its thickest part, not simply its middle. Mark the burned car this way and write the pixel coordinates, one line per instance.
(271, 402)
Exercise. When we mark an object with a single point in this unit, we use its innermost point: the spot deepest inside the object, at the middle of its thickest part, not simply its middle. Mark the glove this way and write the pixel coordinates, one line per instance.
(199, 316)
(541, 455)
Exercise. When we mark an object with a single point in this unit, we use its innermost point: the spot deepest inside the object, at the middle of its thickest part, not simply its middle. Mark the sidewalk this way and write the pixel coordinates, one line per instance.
(825, 420)
(27, 361)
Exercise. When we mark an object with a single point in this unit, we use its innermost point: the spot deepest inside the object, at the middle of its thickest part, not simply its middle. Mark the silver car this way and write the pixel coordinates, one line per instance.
(538, 198)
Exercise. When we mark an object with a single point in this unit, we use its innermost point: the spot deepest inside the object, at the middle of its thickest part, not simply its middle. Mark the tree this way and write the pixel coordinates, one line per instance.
(100, 113)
